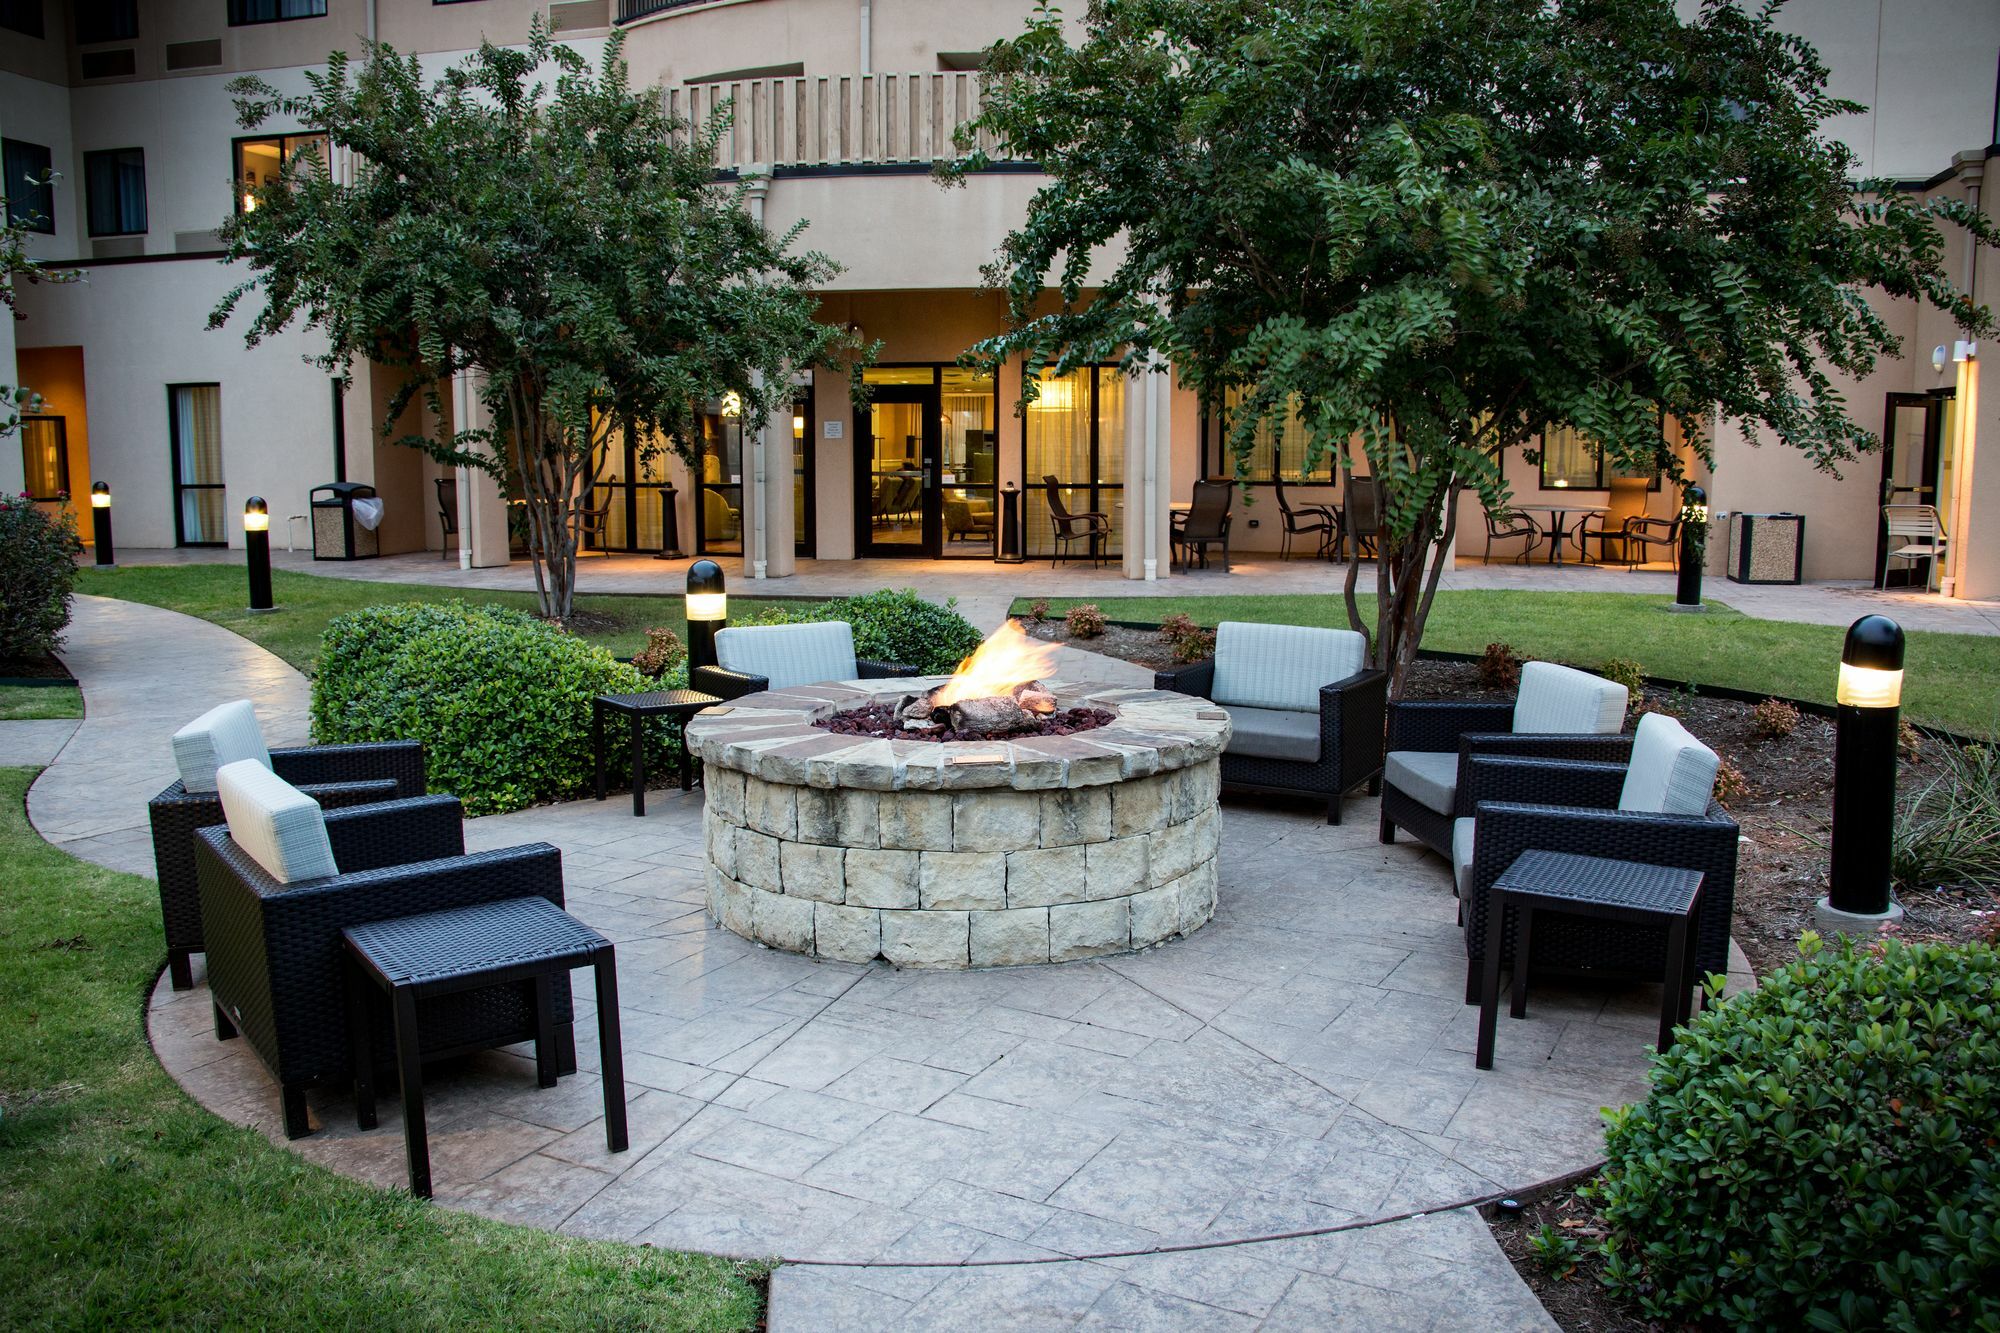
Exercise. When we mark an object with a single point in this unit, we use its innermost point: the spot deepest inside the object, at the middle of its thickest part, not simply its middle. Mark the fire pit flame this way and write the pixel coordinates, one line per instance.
(995, 691)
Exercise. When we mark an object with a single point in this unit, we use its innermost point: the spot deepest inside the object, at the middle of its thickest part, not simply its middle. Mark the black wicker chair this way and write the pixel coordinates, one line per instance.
(730, 683)
(1460, 729)
(274, 949)
(334, 775)
(1349, 742)
(1521, 804)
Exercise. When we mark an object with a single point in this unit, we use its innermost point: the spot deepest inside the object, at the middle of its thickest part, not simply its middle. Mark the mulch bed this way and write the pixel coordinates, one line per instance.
(1573, 1296)
(1785, 806)
(47, 667)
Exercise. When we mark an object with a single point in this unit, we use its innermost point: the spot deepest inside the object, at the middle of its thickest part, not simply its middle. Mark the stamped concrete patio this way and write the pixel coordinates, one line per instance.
(1275, 1121)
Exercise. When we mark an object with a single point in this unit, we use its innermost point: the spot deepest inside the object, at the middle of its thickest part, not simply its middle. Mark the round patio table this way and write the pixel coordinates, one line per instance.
(1558, 522)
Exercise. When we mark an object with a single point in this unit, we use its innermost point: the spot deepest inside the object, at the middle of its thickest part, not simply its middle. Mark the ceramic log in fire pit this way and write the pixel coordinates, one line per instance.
(1019, 848)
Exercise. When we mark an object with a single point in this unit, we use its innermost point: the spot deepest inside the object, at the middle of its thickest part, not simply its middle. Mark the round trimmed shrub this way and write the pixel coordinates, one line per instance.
(1823, 1152)
(891, 626)
(500, 700)
(37, 575)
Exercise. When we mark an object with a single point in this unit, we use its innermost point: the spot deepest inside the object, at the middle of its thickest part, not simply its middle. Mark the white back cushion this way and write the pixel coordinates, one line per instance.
(278, 826)
(1282, 666)
(1671, 773)
(789, 654)
(1562, 699)
(224, 734)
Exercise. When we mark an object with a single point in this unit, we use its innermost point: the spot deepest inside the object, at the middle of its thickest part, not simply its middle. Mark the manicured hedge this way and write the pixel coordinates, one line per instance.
(894, 626)
(1823, 1152)
(37, 572)
(500, 700)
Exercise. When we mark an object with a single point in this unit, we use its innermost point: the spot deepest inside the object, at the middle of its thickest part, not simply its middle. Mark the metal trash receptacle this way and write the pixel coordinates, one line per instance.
(1766, 548)
(336, 534)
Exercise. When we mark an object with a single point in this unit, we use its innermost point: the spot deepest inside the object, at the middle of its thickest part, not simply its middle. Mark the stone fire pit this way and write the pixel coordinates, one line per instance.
(964, 853)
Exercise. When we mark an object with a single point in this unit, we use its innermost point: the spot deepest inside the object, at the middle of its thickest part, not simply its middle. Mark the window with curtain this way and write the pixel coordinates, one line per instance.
(194, 424)
(31, 200)
(273, 11)
(1279, 451)
(105, 20)
(115, 191)
(45, 458)
(967, 399)
(260, 162)
(1074, 431)
(22, 16)
(1574, 461)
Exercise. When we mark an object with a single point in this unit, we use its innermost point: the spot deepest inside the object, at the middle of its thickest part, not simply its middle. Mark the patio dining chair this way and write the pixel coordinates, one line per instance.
(1626, 500)
(1508, 524)
(1088, 526)
(447, 493)
(1304, 520)
(1922, 535)
(1206, 524)
(333, 775)
(1364, 514)
(1640, 533)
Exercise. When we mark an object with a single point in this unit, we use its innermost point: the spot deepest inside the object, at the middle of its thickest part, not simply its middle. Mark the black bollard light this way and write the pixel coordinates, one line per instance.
(1010, 526)
(707, 611)
(670, 525)
(100, 524)
(1694, 545)
(1866, 732)
(257, 551)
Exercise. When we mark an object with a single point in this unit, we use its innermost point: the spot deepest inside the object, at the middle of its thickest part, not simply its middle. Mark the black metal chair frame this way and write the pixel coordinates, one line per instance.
(447, 493)
(1525, 803)
(1204, 525)
(1640, 531)
(1362, 519)
(1303, 520)
(1086, 525)
(1350, 739)
(274, 950)
(334, 775)
(1470, 728)
(1494, 532)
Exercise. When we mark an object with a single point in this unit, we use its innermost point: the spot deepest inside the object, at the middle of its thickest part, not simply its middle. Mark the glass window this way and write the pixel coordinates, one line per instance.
(971, 457)
(802, 470)
(115, 191)
(719, 515)
(1279, 451)
(22, 16)
(106, 21)
(31, 199)
(260, 163)
(1573, 461)
(194, 422)
(273, 11)
(1075, 432)
(45, 458)
(898, 375)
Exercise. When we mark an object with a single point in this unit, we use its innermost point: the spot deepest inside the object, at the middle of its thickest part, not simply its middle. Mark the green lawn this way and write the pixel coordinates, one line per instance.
(30, 703)
(126, 1205)
(1951, 680)
(305, 602)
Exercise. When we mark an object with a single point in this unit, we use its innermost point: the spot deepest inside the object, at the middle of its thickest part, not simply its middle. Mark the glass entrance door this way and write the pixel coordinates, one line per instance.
(1915, 471)
(900, 454)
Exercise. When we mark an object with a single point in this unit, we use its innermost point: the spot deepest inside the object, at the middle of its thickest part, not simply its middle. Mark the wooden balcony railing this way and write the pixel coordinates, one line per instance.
(837, 120)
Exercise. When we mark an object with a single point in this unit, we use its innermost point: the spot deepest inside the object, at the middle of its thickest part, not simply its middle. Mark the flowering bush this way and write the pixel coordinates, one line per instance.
(1084, 621)
(663, 654)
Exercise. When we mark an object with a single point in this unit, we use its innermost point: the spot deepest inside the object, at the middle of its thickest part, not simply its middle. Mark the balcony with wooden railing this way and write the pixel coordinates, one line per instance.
(833, 121)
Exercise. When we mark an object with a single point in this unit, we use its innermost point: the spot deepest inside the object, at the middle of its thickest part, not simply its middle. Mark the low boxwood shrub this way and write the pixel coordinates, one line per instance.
(892, 626)
(500, 700)
(1822, 1152)
(37, 574)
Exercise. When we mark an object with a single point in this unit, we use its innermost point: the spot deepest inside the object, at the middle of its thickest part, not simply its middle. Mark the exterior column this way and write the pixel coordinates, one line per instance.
(756, 521)
(780, 546)
(1148, 473)
(484, 540)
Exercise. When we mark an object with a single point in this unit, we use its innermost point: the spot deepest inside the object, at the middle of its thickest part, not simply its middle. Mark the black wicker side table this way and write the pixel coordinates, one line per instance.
(1588, 886)
(678, 705)
(466, 948)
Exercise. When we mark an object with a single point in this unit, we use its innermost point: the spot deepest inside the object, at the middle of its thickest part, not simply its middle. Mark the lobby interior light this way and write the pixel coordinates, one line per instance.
(1057, 393)
(732, 404)
(798, 426)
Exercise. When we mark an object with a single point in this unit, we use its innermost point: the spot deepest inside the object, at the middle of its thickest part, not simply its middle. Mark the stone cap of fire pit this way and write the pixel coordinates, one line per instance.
(772, 736)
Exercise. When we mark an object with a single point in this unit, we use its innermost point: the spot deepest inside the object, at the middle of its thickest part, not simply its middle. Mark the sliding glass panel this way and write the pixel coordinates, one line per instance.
(1058, 434)
(896, 473)
(720, 521)
(970, 459)
(802, 532)
(45, 458)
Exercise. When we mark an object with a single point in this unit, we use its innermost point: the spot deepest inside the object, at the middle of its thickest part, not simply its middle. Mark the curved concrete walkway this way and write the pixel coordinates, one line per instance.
(1221, 1132)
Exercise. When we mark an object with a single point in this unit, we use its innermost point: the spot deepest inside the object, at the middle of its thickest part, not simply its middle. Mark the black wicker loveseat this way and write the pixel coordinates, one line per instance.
(334, 775)
(1276, 744)
(274, 948)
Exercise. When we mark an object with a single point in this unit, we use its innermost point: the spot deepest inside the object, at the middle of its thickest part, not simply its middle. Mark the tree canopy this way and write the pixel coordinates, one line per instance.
(566, 240)
(1441, 227)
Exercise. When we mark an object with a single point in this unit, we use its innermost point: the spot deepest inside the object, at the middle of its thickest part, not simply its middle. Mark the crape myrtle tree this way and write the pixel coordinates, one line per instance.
(1440, 227)
(568, 242)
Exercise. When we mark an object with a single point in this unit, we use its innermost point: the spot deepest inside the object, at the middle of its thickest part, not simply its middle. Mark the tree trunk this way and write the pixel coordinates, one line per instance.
(546, 486)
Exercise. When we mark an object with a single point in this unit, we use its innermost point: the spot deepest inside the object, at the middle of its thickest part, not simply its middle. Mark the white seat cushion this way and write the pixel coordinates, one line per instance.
(1461, 857)
(1273, 733)
(789, 655)
(1429, 776)
(278, 826)
(224, 734)
(1671, 772)
(1282, 666)
(1562, 699)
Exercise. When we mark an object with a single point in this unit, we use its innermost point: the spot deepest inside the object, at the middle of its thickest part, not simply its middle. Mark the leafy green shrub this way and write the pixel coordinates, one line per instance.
(891, 626)
(37, 573)
(500, 700)
(1632, 676)
(1949, 830)
(1819, 1153)
(1188, 641)
(1084, 621)
(1499, 668)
